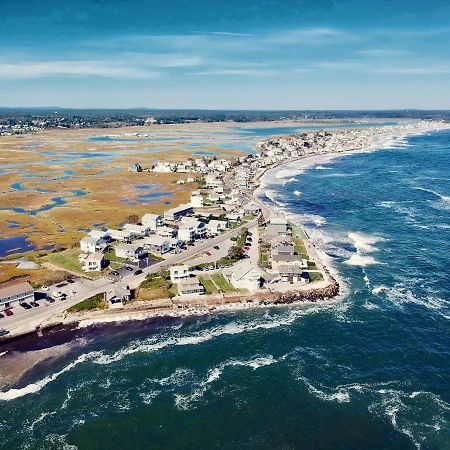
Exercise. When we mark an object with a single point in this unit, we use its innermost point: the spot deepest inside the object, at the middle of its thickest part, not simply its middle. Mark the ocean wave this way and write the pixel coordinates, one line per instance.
(365, 245)
(319, 167)
(297, 193)
(183, 402)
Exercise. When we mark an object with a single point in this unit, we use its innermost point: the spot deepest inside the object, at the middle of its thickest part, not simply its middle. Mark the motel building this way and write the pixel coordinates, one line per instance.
(15, 293)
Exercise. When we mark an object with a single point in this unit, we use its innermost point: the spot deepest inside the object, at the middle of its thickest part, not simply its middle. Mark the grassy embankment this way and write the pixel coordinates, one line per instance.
(156, 286)
(95, 302)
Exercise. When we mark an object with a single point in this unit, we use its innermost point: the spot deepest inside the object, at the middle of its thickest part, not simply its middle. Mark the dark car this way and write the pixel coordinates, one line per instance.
(114, 272)
(3, 331)
(25, 305)
(138, 272)
(35, 304)
(8, 312)
(249, 239)
(216, 247)
(61, 285)
(129, 268)
(1, 316)
(71, 280)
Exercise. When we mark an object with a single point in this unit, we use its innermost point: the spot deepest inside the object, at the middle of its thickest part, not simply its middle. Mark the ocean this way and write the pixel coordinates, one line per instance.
(370, 371)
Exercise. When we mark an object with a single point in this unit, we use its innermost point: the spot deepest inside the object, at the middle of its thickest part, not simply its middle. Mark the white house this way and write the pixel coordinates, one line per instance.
(167, 232)
(120, 235)
(233, 217)
(91, 244)
(191, 229)
(216, 226)
(252, 209)
(137, 230)
(178, 273)
(246, 276)
(130, 251)
(93, 262)
(191, 286)
(157, 244)
(177, 213)
(196, 199)
(152, 221)
(99, 234)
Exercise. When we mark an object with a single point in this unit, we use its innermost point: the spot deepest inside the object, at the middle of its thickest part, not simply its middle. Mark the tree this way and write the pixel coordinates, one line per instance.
(133, 218)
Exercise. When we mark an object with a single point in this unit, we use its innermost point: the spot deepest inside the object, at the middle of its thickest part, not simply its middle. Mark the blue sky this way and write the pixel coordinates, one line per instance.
(247, 54)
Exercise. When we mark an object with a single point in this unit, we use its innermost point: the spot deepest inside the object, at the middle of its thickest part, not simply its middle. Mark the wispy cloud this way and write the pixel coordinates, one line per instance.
(313, 36)
(239, 72)
(384, 53)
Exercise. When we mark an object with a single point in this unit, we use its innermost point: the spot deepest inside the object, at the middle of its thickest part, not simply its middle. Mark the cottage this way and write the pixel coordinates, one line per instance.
(93, 262)
(274, 230)
(15, 293)
(130, 251)
(157, 244)
(191, 286)
(178, 273)
(167, 232)
(234, 217)
(99, 234)
(117, 295)
(121, 235)
(152, 221)
(246, 276)
(287, 259)
(251, 209)
(196, 199)
(191, 229)
(91, 244)
(177, 213)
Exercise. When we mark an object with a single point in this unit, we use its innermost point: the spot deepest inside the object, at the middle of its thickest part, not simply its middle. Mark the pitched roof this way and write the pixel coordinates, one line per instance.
(15, 289)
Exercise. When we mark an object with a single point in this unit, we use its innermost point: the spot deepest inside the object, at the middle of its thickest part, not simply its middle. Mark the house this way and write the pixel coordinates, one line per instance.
(282, 247)
(117, 295)
(246, 276)
(157, 244)
(234, 217)
(135, 168)
(137, 230)
(214, 197)
(15, 293)
(279, 259)
(177, 213)
(91, 244)
(99, 234)
(120, 235)
(191, 229)
(191, 286)
(274, 230)
(251, 209)
(175, 243)
(278, 220)
(196, 199)
(130, 251)
(293, 274)
(93, 262)
(152, 221)
(216, 226)
(167, 232)
(178, 273)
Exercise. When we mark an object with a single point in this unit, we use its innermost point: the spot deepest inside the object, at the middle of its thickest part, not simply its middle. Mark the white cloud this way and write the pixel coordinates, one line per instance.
(384, 52)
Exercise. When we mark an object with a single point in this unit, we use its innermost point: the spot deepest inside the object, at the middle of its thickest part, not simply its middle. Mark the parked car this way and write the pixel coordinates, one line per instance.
(25, 305)
(138, 272)
(216, 247)
(8, 312)
(35, 304)
(1, 316)
(3, 331)
(71, 280)
(129, 268)
(61, 285)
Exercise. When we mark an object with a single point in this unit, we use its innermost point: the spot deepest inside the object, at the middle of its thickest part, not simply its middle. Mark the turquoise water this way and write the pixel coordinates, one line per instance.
(369, 372)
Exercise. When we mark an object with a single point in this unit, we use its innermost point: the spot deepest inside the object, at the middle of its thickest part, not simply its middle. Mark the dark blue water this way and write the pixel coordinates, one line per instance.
(368, 372)
(15, 244)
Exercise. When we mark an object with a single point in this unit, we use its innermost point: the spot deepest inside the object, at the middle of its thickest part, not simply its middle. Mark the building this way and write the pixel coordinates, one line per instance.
(196, 199)
(216, 226)
(15, 293)
(167, 232)
(279, 259)
(99, 234)
(157, 244)
(91, 244)
(177, 213)
(191, 286)
(135, 168)
(93, 262)
(293, 274)
(275, 230)
(234, 217)
(251, 209)
(246, 276)
(120, 235)
(152, 221)
(191, 229)
(178, 273)
(117, 295)
(137, 230)
(130, 251)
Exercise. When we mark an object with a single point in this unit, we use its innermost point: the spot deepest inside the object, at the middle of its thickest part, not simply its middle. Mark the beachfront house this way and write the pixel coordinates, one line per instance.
(152, 221)
(99, 234)
(167, 232)
(177, 213)
(157, 244)
(191, 229)
(15, 293)
(91, 244)
(178, 273)
(293, 274)
(251, 209)
(93, 262)
(117, 295)
(130, 251)
(233, 217)
(246, 276)
(191, 286)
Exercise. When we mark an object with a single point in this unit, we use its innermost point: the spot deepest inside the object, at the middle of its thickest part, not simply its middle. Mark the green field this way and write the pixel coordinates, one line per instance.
(223, 284)
(68, 260)
(208, 285)
(95, 302)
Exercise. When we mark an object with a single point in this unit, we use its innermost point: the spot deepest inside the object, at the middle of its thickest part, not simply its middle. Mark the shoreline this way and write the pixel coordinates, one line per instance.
(228, 302)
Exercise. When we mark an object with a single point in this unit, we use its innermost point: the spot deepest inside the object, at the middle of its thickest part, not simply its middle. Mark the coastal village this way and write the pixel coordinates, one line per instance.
(225, 246)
